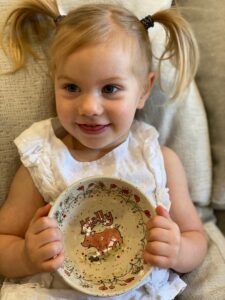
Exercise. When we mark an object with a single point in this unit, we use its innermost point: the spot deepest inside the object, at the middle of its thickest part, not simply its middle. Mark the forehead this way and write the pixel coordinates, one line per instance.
(106, 59)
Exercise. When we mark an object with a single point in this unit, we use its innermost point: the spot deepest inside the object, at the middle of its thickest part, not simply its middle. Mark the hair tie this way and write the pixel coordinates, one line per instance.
(147, 22)
(58, 19)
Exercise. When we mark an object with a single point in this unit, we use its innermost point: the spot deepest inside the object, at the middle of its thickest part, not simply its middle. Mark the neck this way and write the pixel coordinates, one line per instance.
(82, 153)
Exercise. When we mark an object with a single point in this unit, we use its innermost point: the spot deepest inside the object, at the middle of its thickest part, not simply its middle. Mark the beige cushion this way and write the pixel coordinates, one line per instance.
(208, 281)
(183, 127)
(24, 98)
(140, 8)
(208, 22)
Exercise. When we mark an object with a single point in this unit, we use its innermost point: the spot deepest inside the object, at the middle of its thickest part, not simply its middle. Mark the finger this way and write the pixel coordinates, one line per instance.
(54, 263)
(158, 234)
(42, 224)
(161, 211)
(49, 235)
(155, 260)
(51, 250)
(41, 212)
(158, 248)
(158, 222)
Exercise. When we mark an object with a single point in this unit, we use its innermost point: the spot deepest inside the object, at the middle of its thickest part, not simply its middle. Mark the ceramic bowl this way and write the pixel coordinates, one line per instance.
(103, 220)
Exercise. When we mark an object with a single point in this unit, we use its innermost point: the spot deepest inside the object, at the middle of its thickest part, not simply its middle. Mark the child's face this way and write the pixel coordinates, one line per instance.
(97, 95)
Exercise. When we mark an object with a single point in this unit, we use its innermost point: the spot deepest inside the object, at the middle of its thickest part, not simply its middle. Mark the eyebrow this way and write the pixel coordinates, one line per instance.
(114, 78)
(64, 77)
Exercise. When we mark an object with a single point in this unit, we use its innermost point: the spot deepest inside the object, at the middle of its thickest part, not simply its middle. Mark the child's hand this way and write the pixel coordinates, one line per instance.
(163, 240)
(43, 243)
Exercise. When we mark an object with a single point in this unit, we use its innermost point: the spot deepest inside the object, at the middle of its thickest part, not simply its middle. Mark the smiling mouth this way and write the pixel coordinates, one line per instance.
(93, 129)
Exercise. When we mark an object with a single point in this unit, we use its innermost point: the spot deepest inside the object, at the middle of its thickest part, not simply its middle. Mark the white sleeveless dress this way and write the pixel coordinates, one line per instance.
(52, 167)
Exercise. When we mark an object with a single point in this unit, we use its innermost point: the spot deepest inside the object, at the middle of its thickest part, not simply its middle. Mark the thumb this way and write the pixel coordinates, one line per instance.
(41, 212)
(161, 211)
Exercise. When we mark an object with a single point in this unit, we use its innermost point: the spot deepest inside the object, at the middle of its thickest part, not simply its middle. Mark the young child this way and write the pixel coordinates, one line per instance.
(100, 61)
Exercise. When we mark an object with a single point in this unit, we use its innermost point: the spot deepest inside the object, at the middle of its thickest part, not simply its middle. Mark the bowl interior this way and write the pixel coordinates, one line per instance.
(104, 225)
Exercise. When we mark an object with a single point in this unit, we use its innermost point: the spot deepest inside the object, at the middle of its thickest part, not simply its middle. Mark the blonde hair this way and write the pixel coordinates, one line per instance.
(92, 24)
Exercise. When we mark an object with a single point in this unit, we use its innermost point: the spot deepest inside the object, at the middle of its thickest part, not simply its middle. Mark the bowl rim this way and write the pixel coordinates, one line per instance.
(76, 182)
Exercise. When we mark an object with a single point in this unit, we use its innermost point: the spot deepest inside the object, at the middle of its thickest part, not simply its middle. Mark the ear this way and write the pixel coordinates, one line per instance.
(146, 90)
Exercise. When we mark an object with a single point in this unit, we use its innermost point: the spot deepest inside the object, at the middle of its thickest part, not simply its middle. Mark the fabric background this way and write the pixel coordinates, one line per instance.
(25, 97)
(209, 25)
(186, 121)
(208, 281)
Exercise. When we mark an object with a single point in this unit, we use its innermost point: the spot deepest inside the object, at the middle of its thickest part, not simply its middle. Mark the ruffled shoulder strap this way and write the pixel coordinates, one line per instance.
(35, 153)
(152, 153)
(30, 143)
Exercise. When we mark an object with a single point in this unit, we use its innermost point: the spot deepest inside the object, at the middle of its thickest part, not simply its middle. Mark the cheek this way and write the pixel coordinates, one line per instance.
(120, 112)
(127, 109)
(123, 115)
(59, 108)
(63, 108)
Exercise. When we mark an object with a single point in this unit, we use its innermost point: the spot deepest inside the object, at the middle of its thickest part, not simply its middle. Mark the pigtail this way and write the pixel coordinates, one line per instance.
(28, 24)
(181, 47)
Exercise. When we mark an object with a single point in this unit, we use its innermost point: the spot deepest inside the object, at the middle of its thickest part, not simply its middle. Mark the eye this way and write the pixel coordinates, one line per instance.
(110, 89)
(71, 88)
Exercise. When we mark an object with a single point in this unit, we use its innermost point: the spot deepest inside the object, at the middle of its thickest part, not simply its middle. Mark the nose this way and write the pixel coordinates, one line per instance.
(90, 105)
